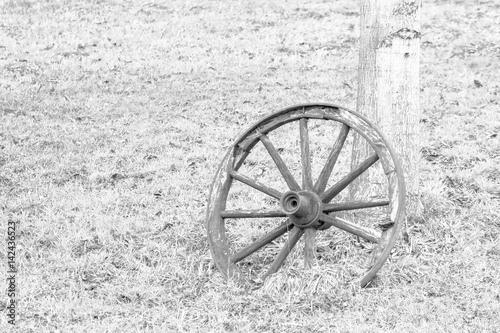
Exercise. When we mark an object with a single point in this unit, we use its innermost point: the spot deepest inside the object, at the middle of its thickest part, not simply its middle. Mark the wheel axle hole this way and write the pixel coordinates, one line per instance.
(290, 203)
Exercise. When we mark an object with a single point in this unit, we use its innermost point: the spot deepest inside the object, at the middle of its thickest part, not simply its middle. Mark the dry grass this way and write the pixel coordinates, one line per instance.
(114, 116)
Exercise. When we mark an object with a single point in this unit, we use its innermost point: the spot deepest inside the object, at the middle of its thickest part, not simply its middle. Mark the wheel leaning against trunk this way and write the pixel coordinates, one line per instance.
(305, 208)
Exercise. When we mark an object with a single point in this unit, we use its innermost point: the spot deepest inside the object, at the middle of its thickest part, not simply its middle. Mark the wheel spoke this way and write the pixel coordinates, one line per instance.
(322, 180)
(337, 207)
(261, 242)
(309, 247)
(240, 159)
(369, 234)
(285, 251)
(256, 185)
(243, 214)
(305, 155)
(285, 172)
(342, 184)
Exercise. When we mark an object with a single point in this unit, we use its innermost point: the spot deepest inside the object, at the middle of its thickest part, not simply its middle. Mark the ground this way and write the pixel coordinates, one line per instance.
(114, 116)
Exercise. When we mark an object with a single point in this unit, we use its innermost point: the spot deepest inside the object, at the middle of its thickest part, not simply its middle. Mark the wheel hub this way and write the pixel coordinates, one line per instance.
(302, 207)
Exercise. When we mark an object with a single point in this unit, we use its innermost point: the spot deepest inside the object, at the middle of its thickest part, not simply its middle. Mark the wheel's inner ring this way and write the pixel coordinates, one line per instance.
(303, 207)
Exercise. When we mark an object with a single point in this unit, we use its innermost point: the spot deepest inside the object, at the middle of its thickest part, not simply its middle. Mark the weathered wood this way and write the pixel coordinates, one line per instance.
(376, 139)
(240, 157)
(338, 207)
(256, 185)
(266, 125)
(285, 251)
(369, 234)
(344, 182)
(305, 155)
(397, 194)
(309, 247)
(245, 214)
(215, 224)
(261, 242)
(242, 148)
(325, 173)
(285, 172)
(321, 111)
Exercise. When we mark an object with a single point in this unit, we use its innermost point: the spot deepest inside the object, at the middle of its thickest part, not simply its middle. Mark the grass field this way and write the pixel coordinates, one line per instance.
(114, 116)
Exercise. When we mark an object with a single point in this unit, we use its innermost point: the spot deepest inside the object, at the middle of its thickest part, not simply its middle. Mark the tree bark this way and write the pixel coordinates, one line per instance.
(388, 86)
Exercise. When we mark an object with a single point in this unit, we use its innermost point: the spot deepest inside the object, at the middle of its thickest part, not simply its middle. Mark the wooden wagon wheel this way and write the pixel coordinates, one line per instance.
(308, 208)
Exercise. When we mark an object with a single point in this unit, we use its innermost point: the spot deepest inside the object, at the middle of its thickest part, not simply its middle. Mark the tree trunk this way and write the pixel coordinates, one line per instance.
(388, 86)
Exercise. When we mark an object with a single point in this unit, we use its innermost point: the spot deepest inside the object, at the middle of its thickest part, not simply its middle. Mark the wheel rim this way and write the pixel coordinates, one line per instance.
(304, 208)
